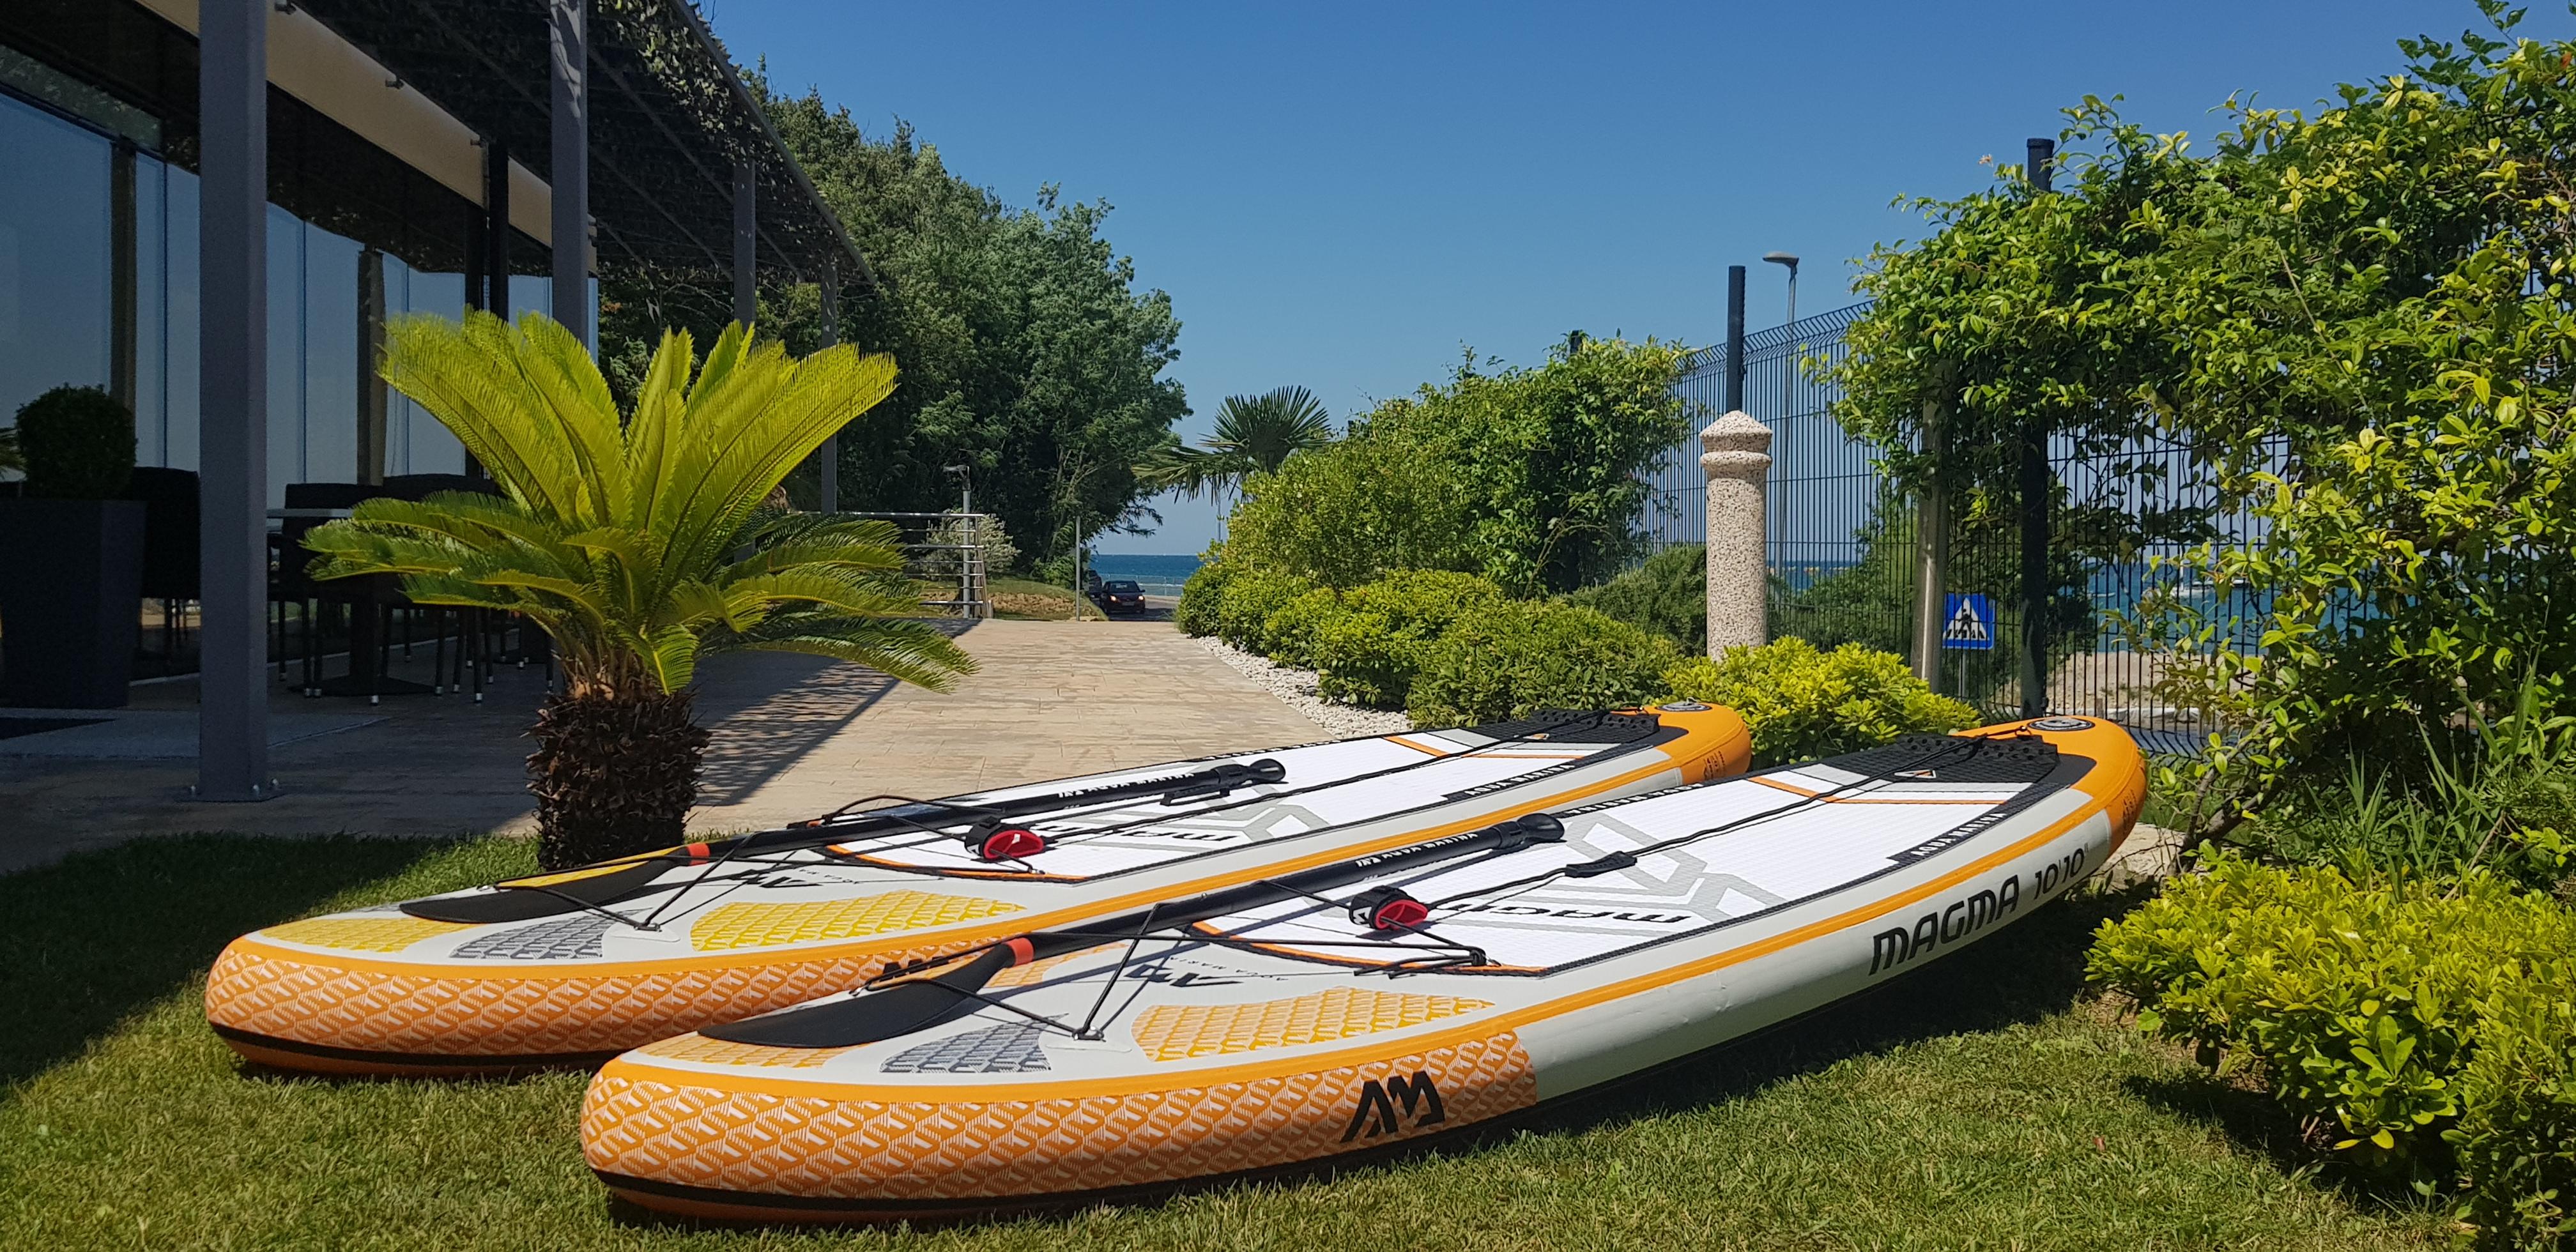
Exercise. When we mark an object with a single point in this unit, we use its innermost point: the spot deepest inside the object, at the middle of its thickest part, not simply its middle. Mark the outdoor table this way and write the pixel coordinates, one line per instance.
(366, 677)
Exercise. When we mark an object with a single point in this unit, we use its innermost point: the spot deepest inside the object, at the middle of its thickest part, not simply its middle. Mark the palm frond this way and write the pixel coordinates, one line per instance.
(1253, 435)
(621, 536)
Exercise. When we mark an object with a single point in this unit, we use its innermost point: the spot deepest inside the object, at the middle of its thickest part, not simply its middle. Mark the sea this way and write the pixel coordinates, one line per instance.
(1160, 574)
(2115, 587)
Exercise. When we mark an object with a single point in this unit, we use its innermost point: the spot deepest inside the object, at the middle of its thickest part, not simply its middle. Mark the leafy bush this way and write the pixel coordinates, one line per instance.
(989, 535)
(1292, 630)
(1202, 596)
(78, 444)
(2496, 795)
(2516, 1139)
(1528, 477)
(2428, 1028)
(1667, 595)
(1518, 656)
(1370, 654)
(1802, 703)
(1250, 597)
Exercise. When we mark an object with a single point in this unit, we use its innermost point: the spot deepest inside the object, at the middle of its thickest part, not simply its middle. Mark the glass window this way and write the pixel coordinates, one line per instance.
(151, 312)
(179, 352)
(424, 446)
(286, 356)
(54, 265)
(330, 356)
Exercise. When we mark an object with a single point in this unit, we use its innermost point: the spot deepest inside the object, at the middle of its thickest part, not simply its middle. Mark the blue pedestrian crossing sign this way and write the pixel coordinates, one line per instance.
(1969, 622)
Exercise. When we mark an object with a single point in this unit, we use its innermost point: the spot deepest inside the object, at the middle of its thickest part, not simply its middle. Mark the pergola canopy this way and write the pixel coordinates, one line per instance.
(669, 119)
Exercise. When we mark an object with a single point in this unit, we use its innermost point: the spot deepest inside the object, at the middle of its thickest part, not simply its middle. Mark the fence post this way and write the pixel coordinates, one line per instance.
(1932, 533)
(2034, 490)
(1734, 396)
(1736, 457)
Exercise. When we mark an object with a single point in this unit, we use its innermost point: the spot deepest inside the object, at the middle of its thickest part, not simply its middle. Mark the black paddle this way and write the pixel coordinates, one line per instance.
(918, 1003)
(519, 900)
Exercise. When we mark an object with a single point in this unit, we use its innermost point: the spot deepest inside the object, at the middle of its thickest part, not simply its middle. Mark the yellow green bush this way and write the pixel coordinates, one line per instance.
(1801, 703)
(2429, 1026)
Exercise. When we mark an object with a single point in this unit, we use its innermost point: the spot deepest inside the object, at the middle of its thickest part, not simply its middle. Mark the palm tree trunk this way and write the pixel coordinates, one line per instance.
(613, 774)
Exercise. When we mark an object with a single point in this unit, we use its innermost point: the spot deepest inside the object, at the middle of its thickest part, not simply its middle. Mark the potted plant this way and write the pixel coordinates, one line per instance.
(71, 556)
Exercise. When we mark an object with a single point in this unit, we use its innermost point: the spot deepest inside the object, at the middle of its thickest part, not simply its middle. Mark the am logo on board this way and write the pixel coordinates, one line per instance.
(1417, 1096)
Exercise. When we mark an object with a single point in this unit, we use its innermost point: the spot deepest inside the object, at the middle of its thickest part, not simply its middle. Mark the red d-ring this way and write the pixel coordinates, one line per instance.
(1401, 913)
(1013, 843)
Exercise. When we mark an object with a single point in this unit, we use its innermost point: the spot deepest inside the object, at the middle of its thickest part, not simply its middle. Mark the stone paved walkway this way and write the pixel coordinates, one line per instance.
(793, 736)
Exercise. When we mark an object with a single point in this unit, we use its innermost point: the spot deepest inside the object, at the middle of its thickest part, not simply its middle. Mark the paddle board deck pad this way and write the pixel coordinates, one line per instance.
(572, 968)
(1366, 1004)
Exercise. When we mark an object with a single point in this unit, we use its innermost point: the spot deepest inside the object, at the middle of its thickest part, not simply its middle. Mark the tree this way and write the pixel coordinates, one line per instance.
(639, 543)
(1529, 477)
(1253, 435)
(2357, 323)
(1027, 351)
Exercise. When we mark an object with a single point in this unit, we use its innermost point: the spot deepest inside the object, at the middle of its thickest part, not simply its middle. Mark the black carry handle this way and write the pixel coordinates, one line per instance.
(920, 1001)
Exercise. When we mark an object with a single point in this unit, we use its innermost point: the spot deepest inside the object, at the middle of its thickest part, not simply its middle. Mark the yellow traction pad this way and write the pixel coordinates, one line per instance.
(388, 932)
(769, 925)
(766, 1143)
(1172, 1032)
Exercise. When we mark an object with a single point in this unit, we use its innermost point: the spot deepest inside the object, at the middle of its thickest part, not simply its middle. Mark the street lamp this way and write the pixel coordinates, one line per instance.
(965, 486)
(1788, 367)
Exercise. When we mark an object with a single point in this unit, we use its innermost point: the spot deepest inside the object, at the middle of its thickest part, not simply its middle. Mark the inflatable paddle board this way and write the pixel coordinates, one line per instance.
(1367, 1003)
(573, 967)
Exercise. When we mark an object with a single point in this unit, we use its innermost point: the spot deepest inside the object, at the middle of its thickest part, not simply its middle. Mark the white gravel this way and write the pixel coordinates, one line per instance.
(1296, 689)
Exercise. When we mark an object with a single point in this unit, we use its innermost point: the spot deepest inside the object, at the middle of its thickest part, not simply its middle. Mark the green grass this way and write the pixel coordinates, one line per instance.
(1980, 1103)
(1035, 601)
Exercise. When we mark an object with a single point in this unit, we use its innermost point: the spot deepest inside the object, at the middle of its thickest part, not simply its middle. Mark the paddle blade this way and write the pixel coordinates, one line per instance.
(518, 902)
(870, 1016)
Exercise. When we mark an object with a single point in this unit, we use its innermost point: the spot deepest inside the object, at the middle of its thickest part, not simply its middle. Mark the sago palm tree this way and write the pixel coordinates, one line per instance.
(639, 544)
(1254, 435)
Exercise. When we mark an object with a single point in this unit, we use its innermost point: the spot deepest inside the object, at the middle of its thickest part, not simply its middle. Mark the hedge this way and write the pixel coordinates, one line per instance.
(2429, 1027)
(1801, 703)
(1519, 656)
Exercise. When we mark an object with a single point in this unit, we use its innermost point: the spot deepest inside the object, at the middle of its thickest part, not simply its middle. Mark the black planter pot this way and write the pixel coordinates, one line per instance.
(71, 590)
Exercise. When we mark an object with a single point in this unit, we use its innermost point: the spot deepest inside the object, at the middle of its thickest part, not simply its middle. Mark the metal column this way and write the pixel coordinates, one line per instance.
(2034, 491)
(496, 227)
(569, 71)
(232, 382)
(1734, 339)
(830, 453)
(746, 246)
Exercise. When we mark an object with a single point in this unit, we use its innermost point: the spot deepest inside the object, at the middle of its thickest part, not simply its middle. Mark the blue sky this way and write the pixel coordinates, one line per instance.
(1342, 195)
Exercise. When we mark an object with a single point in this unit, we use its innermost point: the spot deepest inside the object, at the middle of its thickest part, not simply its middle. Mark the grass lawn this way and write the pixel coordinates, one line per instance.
(1979, 1103)
(1025, 598)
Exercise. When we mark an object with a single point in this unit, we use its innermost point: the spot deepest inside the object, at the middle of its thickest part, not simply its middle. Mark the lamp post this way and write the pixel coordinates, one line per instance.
(965, 486)
(1789, 367)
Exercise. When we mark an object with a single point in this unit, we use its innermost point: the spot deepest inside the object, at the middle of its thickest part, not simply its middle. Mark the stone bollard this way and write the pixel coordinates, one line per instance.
(1737, 460)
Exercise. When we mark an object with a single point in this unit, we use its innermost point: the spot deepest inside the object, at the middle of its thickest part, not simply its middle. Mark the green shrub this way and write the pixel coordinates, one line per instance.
(1251, 596)
(1201, 597)
(2498, 794)
(1802, 703)
(2428, 1027)
(78, 444)
(1517, 656)
(1667, 595)
(1368, 657)
(2516, 1140)
(1527, 476)
(1293, 629)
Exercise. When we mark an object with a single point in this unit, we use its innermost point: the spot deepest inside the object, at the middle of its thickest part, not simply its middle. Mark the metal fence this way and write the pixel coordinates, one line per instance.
(945, 553)
(1843, 552)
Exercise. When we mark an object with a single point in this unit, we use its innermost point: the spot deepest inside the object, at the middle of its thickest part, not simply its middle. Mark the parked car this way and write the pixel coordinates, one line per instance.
(1120, 595)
